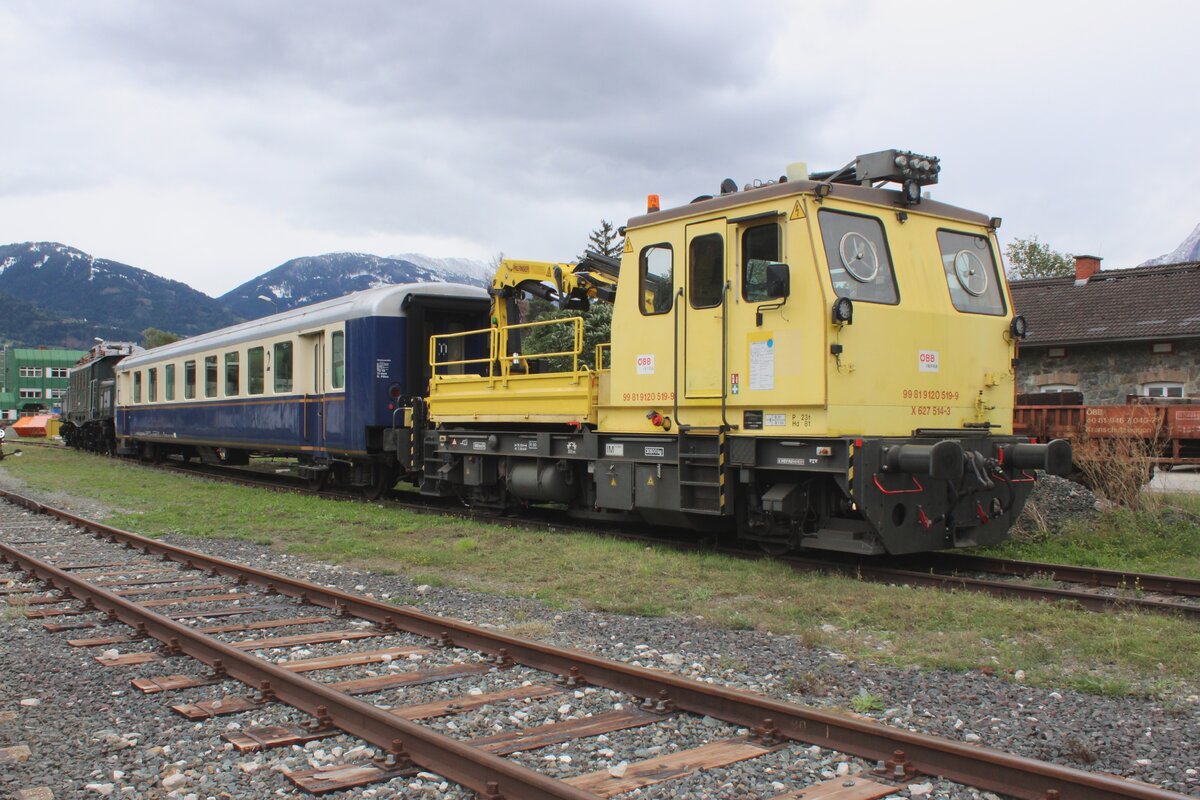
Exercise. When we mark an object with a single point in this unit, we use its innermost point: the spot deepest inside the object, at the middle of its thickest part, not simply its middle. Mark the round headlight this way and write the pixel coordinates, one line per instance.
(843, 311)
(912, 191)
(1018, 327)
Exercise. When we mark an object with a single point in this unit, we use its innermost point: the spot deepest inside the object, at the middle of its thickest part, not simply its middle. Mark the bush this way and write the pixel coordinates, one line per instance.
(1117, 468)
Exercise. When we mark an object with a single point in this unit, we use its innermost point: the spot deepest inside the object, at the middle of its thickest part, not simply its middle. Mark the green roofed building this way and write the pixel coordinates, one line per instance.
(34, 379)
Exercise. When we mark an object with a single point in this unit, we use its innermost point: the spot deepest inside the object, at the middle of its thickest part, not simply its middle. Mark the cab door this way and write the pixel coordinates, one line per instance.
(705, 294)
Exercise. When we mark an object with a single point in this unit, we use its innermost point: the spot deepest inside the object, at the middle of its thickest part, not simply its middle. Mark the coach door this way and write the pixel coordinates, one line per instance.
(703, 306)
(315, 345)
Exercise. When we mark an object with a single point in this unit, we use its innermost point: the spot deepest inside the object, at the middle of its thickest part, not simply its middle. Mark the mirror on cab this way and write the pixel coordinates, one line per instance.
(779, 283)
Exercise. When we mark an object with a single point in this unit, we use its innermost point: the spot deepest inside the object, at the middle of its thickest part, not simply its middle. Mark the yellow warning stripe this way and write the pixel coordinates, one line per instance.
(850, 469)
(721, 468)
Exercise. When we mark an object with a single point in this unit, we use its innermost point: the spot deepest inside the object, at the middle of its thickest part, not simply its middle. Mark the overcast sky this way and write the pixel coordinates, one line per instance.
(211, 141)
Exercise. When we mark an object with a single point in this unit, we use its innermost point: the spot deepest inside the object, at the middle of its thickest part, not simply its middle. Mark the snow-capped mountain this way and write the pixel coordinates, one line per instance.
(311, 279)
(94, 297)
(481, 271)
(52, 294)
(1189, 250)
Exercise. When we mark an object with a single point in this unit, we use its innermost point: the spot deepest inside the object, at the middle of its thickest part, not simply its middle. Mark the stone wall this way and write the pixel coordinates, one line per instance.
(1109, 371)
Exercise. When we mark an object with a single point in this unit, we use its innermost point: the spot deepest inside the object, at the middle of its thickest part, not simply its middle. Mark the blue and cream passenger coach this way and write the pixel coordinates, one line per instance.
(333, 384)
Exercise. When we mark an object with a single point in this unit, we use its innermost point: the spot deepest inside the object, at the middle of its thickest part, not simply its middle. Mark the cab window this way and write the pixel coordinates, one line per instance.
(152, 383)
(169, 382)
(971, 273)
(282, 366)
(657, 279)
(860, 264)
(189, 380)
(232, 373)
(338, 357)
(255, 376)
(210, 376)
(760, 247)
(137, 387)
(706, 270)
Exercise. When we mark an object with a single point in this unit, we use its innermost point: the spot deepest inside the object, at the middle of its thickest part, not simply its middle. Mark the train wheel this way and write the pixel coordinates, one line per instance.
(775, 548)
(384, 478)
(317, 482)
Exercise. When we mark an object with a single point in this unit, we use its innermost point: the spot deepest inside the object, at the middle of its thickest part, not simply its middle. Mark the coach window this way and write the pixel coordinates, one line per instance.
(152, 393)
(169, 382)
(210, 376)
(189, 380)
(657, 282)
(283, 366)
(254, 371)
(339, 359)
(760, 247)
(860, 264)
(232, 373)
(971, 273)
(137, 387)
(706, 270)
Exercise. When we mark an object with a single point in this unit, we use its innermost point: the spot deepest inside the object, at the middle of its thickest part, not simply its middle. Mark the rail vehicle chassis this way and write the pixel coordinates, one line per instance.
(850, 494)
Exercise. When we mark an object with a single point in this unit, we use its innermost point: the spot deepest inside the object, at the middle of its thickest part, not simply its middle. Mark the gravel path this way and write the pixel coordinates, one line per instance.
(88, 728)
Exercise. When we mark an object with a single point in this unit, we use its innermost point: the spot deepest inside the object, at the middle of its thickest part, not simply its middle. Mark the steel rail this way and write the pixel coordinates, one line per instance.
(1006, 589)
(458, 761)
(923, 577)
(980, 767)
(1070, 573)
(920, 576)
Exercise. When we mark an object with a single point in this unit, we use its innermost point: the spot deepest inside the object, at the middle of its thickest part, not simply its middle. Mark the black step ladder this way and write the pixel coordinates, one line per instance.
(702, 471)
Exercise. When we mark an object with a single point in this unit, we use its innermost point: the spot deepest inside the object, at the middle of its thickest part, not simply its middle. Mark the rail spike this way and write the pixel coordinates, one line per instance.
(491, 792)
(395, 757)
(767, 734)
(572, 679)
(321, 720)
(265, 693)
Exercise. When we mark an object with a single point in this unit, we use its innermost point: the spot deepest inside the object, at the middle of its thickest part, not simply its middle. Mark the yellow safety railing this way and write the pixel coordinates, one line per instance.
(490, 359)
(602, 349)
(498, 347)
(508, 358)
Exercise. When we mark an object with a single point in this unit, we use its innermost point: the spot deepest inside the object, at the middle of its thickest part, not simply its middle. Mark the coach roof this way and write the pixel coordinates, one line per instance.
(384, 301)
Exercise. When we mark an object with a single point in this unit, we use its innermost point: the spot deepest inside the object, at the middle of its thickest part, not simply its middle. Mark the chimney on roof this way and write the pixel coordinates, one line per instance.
(1086, 267)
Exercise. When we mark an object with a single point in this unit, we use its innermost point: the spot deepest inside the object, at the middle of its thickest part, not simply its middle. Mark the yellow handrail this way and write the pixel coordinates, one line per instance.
(574, 352)
(489, 359)
(498, 350)
(601, 349)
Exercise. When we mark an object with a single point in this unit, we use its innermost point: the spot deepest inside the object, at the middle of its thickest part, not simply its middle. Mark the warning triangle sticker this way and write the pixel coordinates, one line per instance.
(797, 211)
(628, 246)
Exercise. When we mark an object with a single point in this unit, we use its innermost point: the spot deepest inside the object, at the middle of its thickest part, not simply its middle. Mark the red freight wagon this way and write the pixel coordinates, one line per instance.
(1174, 427)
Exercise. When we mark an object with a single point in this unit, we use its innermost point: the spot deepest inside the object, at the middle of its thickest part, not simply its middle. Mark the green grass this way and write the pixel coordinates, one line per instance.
(1051, 645)
(1162, 538)
(865, 701)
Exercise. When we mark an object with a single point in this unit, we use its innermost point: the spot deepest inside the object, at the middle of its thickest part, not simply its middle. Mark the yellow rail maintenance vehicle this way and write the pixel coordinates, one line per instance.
(814, 362)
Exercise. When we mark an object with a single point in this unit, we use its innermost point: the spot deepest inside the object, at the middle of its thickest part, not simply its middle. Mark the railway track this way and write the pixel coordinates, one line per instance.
(176, 604)
(1090, 588)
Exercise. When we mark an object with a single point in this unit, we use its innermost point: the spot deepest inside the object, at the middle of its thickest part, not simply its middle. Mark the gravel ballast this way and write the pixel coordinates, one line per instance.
(89, 728)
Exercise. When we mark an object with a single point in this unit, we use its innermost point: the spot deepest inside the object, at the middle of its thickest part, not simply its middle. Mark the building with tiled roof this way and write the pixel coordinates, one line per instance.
(1113, 333)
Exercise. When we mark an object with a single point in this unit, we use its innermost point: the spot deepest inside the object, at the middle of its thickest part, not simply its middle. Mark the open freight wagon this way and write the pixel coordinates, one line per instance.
(1169, 429)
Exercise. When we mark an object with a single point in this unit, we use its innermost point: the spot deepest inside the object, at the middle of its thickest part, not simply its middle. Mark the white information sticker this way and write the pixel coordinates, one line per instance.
(645, 364)
(774, 420)
(762, 365)
(927, 361)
